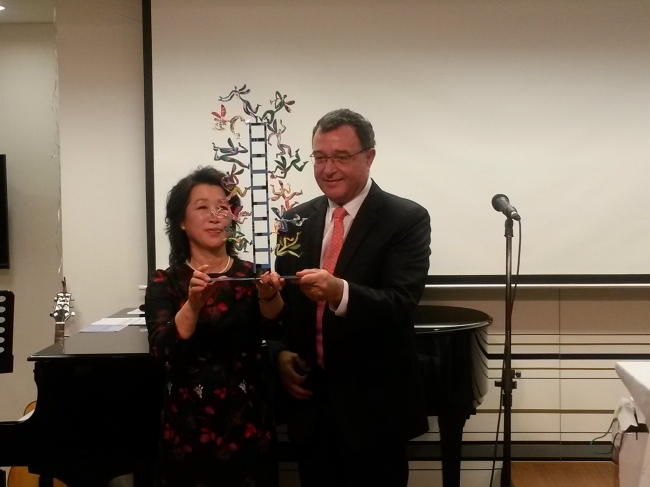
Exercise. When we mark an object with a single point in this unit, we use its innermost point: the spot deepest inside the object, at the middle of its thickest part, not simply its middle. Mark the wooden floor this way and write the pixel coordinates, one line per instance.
(564, 474)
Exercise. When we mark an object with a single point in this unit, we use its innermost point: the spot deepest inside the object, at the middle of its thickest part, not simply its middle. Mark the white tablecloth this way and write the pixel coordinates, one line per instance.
(636, 377)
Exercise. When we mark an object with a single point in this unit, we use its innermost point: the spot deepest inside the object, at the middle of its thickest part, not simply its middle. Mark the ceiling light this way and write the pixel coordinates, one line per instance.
(1, 7)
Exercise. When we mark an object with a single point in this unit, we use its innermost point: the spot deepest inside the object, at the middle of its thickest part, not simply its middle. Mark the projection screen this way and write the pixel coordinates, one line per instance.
(546, 102)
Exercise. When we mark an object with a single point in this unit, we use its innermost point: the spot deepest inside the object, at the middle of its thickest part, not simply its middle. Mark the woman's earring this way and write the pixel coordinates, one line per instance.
(182, 227)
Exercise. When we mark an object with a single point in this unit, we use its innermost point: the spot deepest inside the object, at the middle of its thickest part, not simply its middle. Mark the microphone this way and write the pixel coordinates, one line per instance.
(500, 202)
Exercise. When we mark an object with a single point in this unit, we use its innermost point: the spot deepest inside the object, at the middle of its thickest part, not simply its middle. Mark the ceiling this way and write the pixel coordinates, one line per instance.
(21, 11)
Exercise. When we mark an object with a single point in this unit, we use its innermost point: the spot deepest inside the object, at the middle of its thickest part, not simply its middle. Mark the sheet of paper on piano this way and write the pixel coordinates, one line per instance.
(107, 325)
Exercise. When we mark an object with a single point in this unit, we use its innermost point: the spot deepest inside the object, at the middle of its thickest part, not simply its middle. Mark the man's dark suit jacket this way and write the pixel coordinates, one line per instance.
(373, 378)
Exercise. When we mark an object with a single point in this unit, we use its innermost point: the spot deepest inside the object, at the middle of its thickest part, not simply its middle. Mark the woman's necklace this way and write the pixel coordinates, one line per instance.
(220, 272)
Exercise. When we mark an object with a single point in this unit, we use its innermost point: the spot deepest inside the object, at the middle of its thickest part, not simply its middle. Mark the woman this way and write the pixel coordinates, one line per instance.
(216, 424)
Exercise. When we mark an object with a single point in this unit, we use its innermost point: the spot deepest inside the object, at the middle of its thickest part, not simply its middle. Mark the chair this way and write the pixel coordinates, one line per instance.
(6, 332)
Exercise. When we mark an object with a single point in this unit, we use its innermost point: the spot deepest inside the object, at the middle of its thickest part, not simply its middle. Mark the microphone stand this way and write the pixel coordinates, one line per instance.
(507, 378)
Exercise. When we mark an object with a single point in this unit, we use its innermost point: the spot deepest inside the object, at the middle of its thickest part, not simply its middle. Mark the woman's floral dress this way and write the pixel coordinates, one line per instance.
(216, 423)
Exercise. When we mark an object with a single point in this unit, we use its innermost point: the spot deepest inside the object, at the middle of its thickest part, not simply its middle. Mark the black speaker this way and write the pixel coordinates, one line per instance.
(4, 215)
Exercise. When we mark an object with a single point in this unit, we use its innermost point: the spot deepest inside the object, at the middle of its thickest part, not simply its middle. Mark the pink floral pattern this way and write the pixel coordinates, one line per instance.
(213, 429)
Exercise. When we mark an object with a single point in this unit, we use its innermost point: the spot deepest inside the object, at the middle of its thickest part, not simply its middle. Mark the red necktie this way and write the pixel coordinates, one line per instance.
(329, 262)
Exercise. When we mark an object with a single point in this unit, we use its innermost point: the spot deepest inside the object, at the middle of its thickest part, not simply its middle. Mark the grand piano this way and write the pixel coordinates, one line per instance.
(449, 341)
(97, 411)
(100, 394)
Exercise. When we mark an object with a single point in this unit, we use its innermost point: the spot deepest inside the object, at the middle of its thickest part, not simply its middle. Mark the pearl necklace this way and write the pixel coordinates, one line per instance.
(220, 272)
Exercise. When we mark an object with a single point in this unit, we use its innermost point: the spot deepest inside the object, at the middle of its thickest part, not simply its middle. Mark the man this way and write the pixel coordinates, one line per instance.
(348, 361)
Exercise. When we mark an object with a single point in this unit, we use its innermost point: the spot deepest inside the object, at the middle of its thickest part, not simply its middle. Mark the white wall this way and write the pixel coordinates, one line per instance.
(101, 113)
(28, 136)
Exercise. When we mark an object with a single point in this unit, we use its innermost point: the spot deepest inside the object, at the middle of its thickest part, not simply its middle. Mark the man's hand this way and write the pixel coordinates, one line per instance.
(293, 371)
(320, 285)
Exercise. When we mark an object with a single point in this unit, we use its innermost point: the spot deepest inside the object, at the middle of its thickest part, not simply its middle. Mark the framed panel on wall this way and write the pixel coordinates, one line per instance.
(4, 215)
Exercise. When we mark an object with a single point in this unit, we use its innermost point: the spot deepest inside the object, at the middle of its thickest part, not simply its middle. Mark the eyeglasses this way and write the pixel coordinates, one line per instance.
(339, 159)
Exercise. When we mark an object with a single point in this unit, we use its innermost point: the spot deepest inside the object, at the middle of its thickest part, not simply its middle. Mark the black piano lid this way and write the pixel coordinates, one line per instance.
(433, 318)
(129, 343)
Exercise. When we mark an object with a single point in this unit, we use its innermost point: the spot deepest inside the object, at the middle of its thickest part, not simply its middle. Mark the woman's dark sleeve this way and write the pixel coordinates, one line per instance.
(275, 328)
(161, 304)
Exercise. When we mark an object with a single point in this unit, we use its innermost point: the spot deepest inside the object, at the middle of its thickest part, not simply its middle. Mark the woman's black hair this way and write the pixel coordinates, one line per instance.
(177, 200)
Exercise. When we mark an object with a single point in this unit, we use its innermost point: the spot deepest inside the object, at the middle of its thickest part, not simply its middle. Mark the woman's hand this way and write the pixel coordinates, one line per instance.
(269, 284)
(201, 289)
(268, 292)
(199, 292)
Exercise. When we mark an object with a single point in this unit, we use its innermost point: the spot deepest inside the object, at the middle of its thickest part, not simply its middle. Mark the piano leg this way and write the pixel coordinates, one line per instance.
(451, 440)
